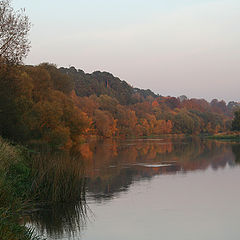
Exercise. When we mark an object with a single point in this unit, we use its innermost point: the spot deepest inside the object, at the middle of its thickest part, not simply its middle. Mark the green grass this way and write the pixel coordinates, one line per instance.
(234, 137)
(10, 227)
(15, 191)
(29, 178)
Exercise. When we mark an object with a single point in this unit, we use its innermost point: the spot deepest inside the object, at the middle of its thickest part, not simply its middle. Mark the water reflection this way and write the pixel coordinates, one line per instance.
(61, 219)
(104, 169)
(114, 166)
(236, 152)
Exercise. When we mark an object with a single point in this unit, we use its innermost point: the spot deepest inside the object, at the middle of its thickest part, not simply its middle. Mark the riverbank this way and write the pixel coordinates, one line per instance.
(29, 178)
(231, 136)
(15, 191)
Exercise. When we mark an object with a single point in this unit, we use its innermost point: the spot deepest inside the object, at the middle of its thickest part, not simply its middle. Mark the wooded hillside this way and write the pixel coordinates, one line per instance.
(63, 106)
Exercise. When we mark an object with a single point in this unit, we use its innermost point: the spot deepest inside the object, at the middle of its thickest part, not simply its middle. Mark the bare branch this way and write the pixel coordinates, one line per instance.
(14, 28)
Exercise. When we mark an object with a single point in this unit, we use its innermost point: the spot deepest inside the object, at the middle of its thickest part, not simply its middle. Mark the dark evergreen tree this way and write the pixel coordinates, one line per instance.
(236, 121)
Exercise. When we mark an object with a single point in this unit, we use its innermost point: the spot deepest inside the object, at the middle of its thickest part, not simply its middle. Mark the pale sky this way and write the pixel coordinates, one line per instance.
(172, 47)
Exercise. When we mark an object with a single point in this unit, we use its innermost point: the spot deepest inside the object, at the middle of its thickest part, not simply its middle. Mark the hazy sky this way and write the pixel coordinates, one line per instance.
(173, 47)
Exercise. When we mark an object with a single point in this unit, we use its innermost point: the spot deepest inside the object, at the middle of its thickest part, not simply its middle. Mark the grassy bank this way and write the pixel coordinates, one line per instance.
(15, 192)
(35, 178)
(231, 136)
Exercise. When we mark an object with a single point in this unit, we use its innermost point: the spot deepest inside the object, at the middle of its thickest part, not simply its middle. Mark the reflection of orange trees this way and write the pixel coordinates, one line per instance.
(128, 155)
(114, 148)
(165, 148)
(85, 151)
(151, 150)
(201, 155)
(139, 159)
(99, 156)
(211, 145)
(143, 149)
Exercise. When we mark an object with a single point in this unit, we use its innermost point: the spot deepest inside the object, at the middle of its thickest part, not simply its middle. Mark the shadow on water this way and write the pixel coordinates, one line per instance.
(99, 171)
(236, 152)
(61, 219)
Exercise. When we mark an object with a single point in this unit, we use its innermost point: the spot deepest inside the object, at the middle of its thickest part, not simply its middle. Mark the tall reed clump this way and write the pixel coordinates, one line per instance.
(58, 177)
(30, 179)
(59, 187)
(15, 184)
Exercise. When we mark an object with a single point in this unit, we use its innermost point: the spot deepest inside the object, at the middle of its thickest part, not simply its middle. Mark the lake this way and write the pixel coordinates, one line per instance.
(148, 189)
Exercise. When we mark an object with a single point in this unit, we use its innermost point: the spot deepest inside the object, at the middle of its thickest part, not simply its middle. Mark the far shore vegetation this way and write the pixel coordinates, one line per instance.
(65, 107)
(230, 135)
(226, 136)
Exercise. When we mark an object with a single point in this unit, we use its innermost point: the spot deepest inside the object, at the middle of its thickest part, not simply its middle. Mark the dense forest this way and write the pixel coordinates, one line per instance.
(64, 106)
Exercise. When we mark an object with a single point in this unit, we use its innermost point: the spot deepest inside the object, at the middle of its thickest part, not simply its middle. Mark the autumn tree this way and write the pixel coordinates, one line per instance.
(14, 28)
(127, 120)
(105, 123)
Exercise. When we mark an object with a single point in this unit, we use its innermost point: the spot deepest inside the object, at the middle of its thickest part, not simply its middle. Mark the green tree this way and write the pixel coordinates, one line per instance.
(236, 121)
(183, 123)
(60, 81)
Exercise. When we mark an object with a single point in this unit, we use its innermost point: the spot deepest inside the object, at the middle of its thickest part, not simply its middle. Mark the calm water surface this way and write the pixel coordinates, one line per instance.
(152, 189)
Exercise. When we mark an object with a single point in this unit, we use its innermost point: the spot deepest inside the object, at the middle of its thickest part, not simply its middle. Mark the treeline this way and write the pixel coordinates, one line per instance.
(64, 106)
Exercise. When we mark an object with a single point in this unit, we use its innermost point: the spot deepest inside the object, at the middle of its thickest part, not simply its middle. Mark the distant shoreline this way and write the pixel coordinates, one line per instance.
(226, 136)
